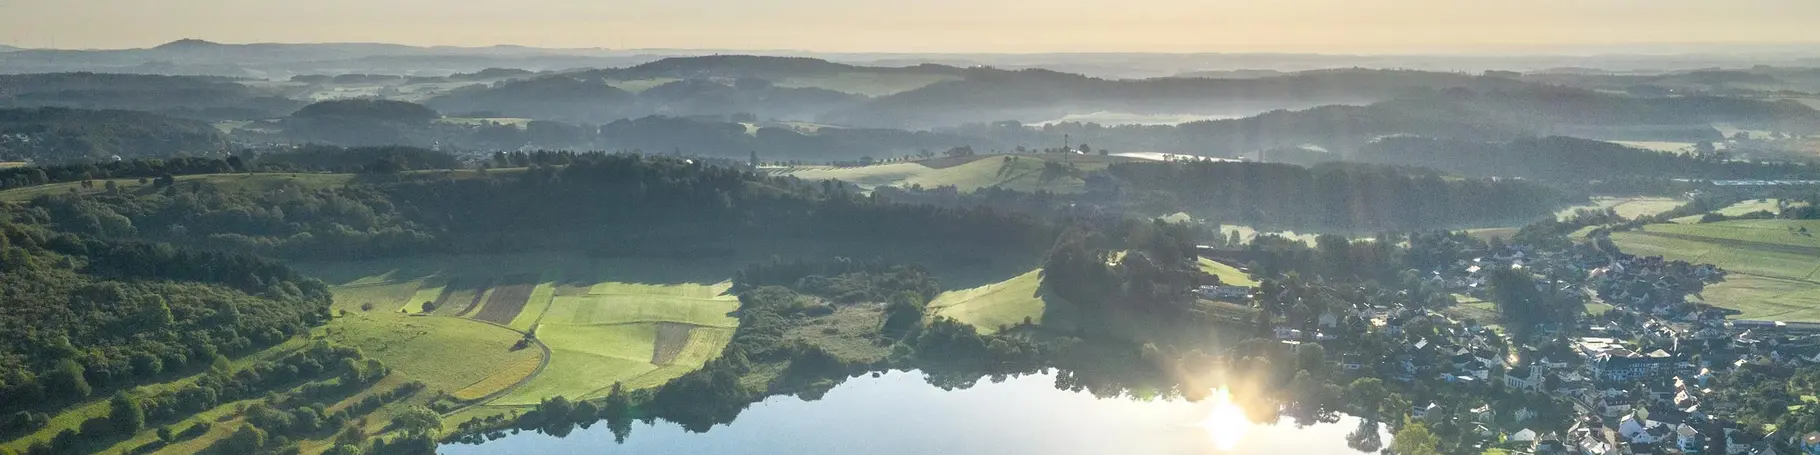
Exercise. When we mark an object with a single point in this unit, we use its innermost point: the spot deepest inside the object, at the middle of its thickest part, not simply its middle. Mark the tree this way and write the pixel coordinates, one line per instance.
(67, 381)
(1415, 439)
(246, 439)
(1368, 394)
(125, 413)
(417, 420)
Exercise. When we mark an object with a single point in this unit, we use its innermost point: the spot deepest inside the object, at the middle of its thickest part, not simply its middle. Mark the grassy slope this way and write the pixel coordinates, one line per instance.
(449, 354)
(988, 307)
(1229, 275)
(607, 333)
(1772, 269)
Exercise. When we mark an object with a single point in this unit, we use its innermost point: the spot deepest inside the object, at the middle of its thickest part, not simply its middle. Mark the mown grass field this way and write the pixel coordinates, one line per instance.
(640, 322)
(1229, 275)
(989, 307)
(449, 354)
(637, 334)
(1772, 264)
(1628, 207)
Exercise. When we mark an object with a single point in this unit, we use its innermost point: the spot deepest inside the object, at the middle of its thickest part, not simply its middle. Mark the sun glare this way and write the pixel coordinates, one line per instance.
(1226, 423)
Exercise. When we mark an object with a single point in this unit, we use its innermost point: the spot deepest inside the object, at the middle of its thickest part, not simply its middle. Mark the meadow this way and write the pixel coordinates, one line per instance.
(1022, 173)
(1628, 207)
(594, 322)
(989, 307)
(1771, 264)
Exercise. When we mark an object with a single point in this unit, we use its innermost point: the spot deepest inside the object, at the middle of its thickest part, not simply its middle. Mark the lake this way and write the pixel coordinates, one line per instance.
(899, 413)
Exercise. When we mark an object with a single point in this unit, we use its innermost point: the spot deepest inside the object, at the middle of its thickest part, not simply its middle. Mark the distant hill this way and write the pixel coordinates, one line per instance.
(369, 109)
(562, 97)
(188, 44)
(362, 122)
(1036, 95)
(57, 135)
(194, 97)
(6, 48)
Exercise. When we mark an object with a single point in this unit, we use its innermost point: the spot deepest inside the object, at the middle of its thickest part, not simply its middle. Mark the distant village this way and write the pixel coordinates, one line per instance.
(1639, 378)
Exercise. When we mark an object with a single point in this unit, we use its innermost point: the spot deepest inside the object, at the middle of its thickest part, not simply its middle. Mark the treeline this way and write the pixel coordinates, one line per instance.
(1331, 196)
(647, 206)
(20, 177)
(380, 160)
(79, 315)
(1567, 160)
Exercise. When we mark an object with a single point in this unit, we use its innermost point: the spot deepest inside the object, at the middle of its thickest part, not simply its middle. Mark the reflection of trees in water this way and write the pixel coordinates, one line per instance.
(1365, 438)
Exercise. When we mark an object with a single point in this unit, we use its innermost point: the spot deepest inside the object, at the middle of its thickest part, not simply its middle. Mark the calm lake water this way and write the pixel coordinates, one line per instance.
(898, 413)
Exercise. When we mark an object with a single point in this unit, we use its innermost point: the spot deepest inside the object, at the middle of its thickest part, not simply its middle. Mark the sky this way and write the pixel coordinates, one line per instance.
(1314, 26)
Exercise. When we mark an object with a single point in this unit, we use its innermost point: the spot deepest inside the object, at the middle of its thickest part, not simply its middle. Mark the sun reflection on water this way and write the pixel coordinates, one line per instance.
(1226, 423)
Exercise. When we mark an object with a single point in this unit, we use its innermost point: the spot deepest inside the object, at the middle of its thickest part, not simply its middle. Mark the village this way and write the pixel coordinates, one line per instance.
(1642, 371)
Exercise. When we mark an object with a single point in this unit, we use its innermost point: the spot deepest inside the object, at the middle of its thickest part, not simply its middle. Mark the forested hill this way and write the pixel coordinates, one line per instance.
(1035, 95)
(54, 135)
(1567, 160)
(181, 96)
(81, 316)
(603, 204)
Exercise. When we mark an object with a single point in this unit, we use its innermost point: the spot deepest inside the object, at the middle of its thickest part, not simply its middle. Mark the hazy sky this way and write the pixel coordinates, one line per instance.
(1333, 26)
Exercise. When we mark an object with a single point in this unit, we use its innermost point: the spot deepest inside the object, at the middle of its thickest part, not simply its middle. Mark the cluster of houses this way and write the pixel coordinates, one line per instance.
(1627, 397)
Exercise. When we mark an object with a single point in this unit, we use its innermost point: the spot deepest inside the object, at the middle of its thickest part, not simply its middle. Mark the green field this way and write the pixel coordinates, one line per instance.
(1772, 266)
(449, 354)
(641, 335)
(988, 307)
(640, 322)
(1024, 173)
(1739, 209)
(1469, 307)
(639, 85)
(1229, 275)
(1628, 207)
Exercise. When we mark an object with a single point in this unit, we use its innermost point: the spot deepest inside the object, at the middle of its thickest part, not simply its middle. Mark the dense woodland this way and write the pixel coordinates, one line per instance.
(83, 315)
